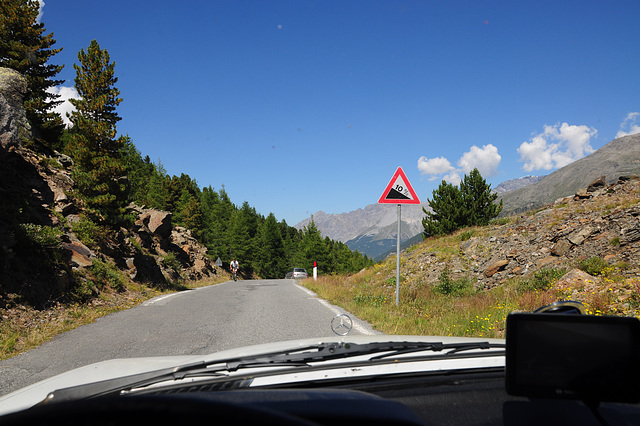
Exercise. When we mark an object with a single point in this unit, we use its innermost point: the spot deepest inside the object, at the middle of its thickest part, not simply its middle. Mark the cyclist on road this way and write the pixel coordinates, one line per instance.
(234, 269)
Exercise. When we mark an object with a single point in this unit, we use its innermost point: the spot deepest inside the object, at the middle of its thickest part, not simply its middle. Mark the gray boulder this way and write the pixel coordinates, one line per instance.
(14, 126)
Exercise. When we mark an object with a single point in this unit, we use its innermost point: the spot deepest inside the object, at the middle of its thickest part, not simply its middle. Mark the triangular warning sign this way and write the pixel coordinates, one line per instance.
(399, 190)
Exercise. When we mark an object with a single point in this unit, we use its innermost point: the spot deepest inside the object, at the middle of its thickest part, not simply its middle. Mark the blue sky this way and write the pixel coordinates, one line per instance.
(299, 106)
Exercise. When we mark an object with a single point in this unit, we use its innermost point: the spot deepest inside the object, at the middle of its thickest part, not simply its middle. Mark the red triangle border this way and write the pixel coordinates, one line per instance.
(383, 198)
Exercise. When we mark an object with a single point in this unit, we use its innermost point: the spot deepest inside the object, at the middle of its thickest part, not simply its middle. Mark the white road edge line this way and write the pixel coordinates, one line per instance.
(158, 299)
(335, 310)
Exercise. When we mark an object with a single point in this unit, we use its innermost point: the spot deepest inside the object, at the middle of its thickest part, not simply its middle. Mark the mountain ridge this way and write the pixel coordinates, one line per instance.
(620, 157)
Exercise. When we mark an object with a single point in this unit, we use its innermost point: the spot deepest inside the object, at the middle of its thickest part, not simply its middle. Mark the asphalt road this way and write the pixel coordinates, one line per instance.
(193, 322)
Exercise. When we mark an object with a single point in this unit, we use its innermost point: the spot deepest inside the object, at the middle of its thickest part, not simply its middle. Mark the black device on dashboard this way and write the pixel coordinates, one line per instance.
(591, 358)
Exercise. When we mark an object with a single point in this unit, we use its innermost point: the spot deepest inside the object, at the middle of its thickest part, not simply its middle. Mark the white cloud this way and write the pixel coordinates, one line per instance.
(537, 154)
(434, 167)
(65, 107)
(40, 12)
(453, 178)
(485, 159)
(556, 147)
(630, 125)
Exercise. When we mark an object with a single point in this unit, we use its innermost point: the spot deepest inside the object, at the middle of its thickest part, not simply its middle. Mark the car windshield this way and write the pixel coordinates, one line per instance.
(183, 178)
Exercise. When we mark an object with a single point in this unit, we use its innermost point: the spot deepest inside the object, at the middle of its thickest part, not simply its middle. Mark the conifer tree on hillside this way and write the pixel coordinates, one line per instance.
(470, 204)
(271, 252)
(312, 248)
(140, 172)
(478, 200)
(25, 48)
(448, 211)
(242, 237)
(100, 173)
(217, 211)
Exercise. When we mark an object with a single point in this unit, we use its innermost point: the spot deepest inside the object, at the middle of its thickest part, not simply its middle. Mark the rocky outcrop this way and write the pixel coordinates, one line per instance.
(156, 222)
(14, 127)
(154, 233)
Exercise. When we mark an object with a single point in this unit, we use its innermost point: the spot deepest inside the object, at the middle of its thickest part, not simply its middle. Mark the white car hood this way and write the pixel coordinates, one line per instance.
(115, 368)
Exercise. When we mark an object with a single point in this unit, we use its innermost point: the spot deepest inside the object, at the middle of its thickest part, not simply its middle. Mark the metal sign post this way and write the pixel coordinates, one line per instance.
(399, 191)
(398, 258)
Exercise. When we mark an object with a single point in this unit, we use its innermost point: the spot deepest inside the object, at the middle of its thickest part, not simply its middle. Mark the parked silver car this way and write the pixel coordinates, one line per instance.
(297, 273)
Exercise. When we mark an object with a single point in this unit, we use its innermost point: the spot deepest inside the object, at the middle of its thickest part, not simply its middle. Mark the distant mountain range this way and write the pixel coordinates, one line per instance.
(373, 230)
(514, 184)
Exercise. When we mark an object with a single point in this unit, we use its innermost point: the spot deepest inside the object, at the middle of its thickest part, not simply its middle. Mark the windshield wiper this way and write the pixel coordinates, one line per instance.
(331, 351)
(299, 357)
(111, 386)
(446, 348)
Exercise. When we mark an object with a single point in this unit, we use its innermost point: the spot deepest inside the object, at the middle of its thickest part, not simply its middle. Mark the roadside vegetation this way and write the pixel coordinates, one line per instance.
(456, 307)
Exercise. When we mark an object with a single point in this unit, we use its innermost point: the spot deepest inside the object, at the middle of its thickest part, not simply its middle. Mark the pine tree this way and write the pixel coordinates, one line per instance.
(470, 204)
(155, 196)
(218, 211)
(312, 248)
(238, 236)
(25, 48)
(271, 253)
(478, 200)
(100, 173)
(140, 172)
(448, 211)
(211, 236)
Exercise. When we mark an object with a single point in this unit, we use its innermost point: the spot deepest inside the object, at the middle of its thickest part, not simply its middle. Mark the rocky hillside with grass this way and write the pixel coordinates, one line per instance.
(585, 247)
(587, 243)
(49, 252)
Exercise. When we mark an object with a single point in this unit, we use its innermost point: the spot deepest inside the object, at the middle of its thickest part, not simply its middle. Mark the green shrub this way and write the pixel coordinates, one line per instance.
(45, 237)
(135, 244)
(459, 287)
(593, 266)
(543, 279)
(84, 289)
(87, 231)
(50, 162)
(370, 299)
(465, 235)
(108, 275)
(171, 261)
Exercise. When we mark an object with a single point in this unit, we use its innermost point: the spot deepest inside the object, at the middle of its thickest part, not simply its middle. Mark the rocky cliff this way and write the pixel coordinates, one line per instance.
(14, 126)
(46, 249)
